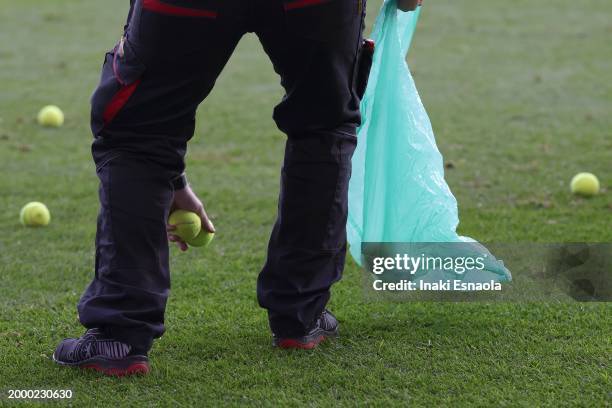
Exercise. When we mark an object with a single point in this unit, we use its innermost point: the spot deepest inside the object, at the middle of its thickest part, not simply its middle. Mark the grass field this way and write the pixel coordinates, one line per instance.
(520, 96)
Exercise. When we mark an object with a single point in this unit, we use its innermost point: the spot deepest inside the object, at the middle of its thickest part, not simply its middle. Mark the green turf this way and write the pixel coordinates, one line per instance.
(520, 98)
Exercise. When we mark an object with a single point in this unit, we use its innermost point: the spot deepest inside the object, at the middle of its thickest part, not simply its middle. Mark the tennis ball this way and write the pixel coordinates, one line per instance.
(202, 239)
(585, 184)
(51, 116)
(187, 223)
(35, 214)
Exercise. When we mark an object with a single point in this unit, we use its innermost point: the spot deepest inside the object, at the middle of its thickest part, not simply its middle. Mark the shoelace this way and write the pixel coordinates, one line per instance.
(89, 345)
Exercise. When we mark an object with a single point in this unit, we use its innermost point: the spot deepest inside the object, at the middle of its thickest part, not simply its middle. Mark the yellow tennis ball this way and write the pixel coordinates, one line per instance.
(585, 184)
(35, 214)
(202, 239)
(51, 116)
(188, 224)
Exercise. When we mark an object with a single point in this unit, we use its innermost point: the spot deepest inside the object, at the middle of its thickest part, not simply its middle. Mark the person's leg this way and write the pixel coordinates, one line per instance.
(313, 46)
(128, 294)
(143, 114)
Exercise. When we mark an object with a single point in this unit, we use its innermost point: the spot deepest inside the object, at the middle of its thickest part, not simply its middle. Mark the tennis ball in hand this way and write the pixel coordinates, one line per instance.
(202, 239)
(188, 224)
(51, 116)
(585, 184)
(34, 214)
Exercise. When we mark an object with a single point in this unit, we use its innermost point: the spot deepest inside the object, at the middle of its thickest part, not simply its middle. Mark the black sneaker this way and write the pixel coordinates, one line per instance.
(96, 351)
(325, 326)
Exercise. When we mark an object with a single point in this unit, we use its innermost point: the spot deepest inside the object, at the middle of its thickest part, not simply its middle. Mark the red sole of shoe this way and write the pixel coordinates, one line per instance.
(133, 369)
(294, 344)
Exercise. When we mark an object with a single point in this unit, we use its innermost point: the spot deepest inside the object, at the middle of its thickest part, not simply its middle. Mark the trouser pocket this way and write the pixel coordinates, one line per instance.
(169, 28)
(121, 75)
(313, 203)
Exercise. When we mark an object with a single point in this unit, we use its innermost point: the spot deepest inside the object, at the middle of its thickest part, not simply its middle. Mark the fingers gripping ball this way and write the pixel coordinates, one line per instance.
(585, 184)
(188, 224)
(35, 214)
(51, 116)
(202, 239)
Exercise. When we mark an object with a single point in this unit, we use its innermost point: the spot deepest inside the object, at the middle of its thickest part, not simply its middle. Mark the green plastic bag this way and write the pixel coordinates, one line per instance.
(397, 191)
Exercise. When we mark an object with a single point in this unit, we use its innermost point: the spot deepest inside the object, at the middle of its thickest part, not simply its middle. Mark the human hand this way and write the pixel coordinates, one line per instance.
(408, 5)
(186, 199)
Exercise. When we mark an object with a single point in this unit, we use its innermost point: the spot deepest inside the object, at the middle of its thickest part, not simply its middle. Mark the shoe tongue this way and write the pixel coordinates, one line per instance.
(93, 346)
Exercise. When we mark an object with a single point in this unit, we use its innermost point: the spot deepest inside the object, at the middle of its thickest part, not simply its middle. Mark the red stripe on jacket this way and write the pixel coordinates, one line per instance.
(163, 8)
(303, 3)
(119, 101)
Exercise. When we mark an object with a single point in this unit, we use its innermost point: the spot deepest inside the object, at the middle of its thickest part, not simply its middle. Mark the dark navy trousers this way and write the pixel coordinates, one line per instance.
(143, 114)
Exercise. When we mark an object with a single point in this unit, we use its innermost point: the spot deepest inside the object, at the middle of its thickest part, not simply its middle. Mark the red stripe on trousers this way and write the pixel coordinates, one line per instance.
(303, 3)
(118, 101)
(163, 8)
